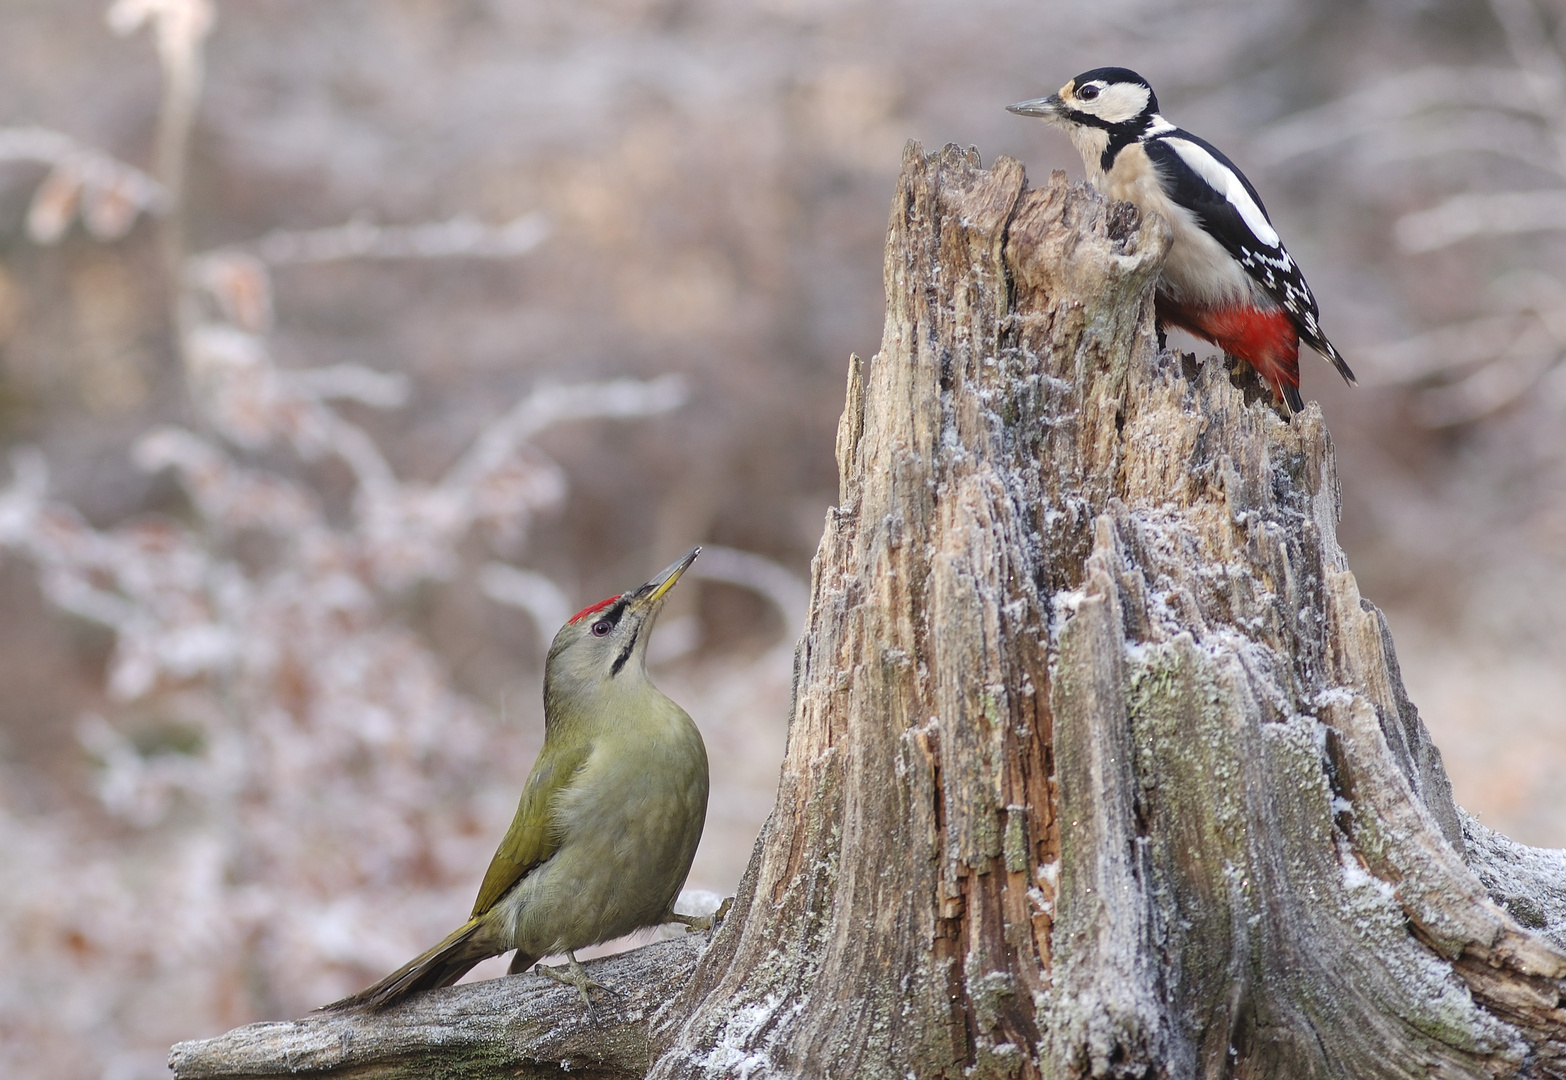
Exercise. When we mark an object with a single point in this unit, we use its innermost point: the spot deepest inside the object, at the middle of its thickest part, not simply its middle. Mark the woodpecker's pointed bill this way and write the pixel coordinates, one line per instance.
(1228, 278)
(652, 593)
(1042, 108)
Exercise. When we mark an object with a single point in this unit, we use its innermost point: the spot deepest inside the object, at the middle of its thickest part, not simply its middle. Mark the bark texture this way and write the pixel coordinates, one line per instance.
(525, 1027)
(1099, 766)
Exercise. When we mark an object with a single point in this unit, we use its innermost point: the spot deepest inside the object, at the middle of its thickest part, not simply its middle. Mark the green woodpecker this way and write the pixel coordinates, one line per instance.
(608, 822)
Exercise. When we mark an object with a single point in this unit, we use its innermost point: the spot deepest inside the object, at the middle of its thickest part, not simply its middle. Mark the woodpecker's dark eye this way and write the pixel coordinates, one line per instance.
(602, 627)
(1088, 92)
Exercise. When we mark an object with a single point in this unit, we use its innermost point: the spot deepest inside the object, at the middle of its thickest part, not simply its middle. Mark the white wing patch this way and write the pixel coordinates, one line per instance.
(1156, 125)
(1225, 182)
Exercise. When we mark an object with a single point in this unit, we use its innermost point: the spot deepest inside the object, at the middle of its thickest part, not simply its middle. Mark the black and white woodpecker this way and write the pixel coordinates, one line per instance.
(1227, 279)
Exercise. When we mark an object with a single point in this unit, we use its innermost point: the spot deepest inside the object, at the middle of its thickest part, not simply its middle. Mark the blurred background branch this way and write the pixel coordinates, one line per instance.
(1515, 115)
(107, 194)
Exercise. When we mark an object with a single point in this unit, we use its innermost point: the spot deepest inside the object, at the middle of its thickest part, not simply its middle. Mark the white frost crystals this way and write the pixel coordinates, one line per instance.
(106, 194)
(733, 1054)
(181, 608)
(1063, 605)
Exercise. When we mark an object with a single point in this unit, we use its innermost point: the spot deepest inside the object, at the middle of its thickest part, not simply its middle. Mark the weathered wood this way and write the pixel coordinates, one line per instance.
(888, 923)
(1099, 763)
(524, 1026)
(1100, 766)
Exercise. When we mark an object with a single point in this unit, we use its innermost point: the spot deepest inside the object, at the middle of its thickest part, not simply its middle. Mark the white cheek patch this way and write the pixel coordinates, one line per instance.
(1117, 102)
(1226, 183)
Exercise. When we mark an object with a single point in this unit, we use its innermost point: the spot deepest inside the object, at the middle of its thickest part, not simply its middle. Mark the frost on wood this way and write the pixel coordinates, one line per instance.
(1100, 765)
(525, 1026)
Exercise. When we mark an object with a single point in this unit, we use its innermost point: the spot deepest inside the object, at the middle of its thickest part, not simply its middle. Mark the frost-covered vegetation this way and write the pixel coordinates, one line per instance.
(291, 787)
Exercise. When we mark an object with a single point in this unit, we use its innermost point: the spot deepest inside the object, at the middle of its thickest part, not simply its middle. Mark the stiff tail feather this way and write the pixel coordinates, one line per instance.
(440, 966)
(1325, 348)
(1291, 396)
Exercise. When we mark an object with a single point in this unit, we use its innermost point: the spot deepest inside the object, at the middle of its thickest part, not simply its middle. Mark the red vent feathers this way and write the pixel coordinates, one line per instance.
(1267, 340)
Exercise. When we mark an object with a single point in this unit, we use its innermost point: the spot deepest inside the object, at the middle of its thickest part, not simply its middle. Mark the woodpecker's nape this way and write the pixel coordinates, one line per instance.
(1227, 278)
(609, 819)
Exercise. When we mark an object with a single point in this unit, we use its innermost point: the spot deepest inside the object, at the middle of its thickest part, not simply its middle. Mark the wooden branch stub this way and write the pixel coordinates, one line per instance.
(522, 1026)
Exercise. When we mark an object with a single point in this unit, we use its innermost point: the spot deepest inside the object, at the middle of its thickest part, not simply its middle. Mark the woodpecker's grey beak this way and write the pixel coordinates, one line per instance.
(651, 594)
(1044, 107)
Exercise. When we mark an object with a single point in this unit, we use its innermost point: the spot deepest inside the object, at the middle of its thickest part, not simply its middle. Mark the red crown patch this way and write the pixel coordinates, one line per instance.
(590, 608)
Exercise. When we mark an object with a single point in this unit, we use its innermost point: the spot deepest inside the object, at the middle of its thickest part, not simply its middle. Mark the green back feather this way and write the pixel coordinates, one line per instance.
(532, 837)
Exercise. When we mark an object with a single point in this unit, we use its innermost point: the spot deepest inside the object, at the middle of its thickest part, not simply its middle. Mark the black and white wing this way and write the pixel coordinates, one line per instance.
(1196, 175)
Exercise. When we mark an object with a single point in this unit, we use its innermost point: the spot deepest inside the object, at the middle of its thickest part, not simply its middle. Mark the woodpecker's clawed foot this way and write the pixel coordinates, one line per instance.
(693, 923)
(574, 974)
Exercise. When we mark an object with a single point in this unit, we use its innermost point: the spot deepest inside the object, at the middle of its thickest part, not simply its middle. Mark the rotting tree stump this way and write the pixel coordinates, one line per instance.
(1099, 763)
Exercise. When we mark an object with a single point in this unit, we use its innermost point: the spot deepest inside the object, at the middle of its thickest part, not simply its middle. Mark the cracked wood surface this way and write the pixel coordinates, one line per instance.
(522, 1026)
(1099, 764)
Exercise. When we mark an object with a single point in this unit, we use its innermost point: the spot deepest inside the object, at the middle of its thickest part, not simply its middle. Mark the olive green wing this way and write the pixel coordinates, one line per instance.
(530, 840)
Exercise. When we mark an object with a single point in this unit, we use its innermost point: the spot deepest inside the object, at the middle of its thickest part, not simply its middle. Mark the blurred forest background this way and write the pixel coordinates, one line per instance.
(346, 348)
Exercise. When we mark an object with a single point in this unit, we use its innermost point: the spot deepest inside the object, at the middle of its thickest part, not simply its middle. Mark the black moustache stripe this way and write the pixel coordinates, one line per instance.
(1120, 137)
(1089, 120)
(625, 654)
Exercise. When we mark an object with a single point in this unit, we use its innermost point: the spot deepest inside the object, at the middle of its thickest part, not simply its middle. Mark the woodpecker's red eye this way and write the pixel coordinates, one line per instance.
(602, 627)
(1088, 92)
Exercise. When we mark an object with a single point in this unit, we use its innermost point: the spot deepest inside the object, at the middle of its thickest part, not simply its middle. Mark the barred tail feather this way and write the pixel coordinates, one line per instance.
(440, 966)
(1326, 348)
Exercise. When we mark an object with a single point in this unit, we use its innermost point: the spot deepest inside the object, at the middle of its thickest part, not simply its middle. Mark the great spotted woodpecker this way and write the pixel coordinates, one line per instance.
(1227, 279)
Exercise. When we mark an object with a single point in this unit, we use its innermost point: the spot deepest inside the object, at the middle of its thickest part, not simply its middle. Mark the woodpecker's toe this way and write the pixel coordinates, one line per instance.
(574, 974)
(694, 923)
